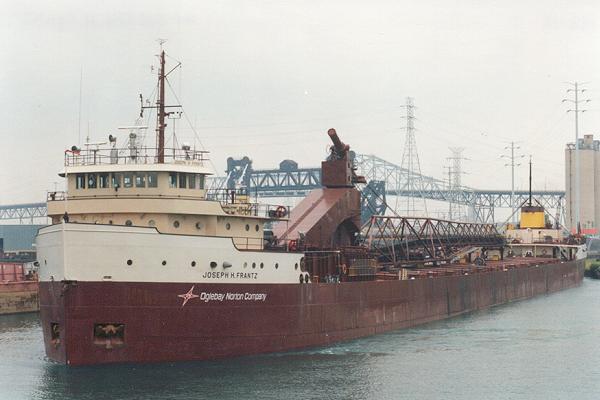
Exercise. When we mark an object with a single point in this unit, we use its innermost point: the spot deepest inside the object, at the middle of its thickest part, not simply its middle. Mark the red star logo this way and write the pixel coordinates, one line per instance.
(187, 296)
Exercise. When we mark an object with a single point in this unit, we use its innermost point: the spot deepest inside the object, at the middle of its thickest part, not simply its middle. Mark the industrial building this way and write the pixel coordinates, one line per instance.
(589, 170)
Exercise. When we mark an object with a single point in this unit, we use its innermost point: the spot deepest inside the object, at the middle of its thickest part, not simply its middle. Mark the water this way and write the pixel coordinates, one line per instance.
(544, 348)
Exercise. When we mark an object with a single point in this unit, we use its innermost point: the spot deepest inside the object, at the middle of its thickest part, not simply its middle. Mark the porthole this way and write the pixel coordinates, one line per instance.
(164, 262)
(151, 223)
(176, 224)
(301, 278)
(110, 222)
(247, 227)
(262, 265)
(128, 222)
(245, 264)
(129, 262)
(228, 226)
(198, 225)
(296, 266)
(276, 265)
(256, 228)
(193, 263)
(213, 264)
(253, 265)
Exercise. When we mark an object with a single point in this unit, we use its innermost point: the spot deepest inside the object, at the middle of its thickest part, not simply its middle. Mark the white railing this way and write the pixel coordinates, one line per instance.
(137, 155)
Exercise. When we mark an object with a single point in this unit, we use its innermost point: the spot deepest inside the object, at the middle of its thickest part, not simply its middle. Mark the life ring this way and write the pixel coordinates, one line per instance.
(280, 212)
(544, 252)
(293, 245)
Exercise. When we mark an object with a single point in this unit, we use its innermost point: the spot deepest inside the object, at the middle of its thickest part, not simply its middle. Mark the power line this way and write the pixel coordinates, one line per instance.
(410, 163)
(576, 90)
(456, 211)
(512, 164)
(449, 168)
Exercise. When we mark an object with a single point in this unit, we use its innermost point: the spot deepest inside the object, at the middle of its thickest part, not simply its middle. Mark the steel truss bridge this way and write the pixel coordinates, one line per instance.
(384, 179)
(402, 240)
(23, 212)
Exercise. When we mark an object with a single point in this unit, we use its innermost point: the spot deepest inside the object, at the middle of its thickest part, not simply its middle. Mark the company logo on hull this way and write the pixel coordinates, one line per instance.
(188, 296)
(208, 297)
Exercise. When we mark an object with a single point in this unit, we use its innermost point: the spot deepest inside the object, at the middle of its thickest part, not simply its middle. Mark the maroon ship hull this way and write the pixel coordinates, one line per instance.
(156, 326)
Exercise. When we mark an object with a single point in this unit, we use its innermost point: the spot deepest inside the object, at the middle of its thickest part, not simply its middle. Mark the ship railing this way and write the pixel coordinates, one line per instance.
(133, 155)
(56, 196)
(248, 243)
(228, 196)
(238, 202)
(272, 243)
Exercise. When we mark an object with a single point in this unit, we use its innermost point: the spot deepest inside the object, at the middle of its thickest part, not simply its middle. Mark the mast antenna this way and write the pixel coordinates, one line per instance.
(160, 126)
(530, 181)
(80, 99)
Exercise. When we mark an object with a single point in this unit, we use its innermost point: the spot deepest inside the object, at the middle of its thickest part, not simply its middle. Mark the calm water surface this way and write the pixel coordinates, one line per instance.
(544, 348)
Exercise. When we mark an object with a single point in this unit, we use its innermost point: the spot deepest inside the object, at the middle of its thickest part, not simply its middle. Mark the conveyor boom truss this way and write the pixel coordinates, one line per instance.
(401, 240)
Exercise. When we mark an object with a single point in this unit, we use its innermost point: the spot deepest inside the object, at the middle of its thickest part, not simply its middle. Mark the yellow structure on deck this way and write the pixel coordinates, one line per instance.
(532, 217)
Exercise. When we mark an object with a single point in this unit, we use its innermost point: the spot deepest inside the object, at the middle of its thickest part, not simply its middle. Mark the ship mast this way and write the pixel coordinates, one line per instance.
(530, 181)
(160, 126)
(160, 106)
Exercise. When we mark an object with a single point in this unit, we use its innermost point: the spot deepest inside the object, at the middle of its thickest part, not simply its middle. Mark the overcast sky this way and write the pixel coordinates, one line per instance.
(268, 78)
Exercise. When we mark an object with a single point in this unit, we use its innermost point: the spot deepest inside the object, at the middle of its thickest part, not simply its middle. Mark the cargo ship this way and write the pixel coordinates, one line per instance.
(144, 263)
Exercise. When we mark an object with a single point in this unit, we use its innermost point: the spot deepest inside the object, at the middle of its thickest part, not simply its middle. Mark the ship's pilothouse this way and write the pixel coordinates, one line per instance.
(162, 187)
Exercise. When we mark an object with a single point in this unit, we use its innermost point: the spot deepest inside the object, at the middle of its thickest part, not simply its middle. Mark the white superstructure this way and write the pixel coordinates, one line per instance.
(92, 252)
(139, 214)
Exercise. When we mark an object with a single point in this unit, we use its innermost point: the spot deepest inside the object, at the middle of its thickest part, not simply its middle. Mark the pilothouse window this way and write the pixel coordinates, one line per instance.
(80, 181)
(91, 181)
(152, 180)
(182, 180)
(128, 180)
(116, 180)
(140, 179)
(103, 181)
(192, 181)
(172, 179)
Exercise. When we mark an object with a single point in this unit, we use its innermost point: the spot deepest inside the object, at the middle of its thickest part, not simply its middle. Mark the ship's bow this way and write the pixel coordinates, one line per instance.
(53, 318)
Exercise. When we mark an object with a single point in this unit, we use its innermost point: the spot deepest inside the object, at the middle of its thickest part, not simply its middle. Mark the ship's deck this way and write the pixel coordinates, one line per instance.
(468, 269)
